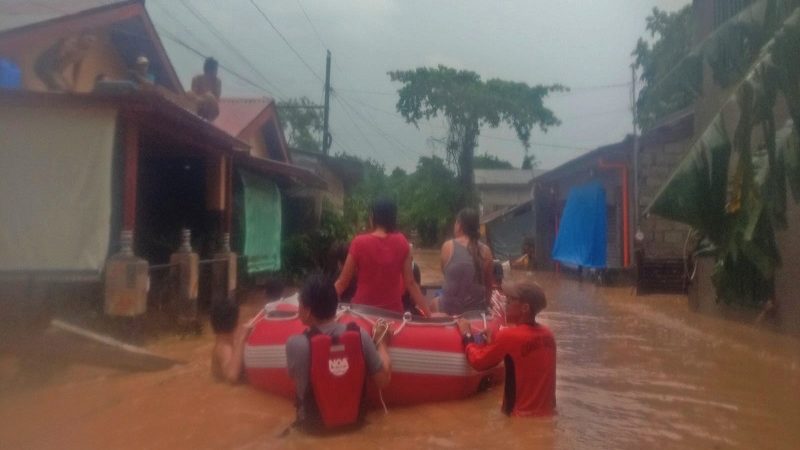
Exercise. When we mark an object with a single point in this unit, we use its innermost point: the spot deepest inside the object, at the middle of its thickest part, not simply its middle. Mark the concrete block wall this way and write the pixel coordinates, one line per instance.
(662, 238)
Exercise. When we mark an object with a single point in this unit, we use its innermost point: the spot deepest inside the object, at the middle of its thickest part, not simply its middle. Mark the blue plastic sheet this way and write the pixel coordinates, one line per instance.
(581, 239)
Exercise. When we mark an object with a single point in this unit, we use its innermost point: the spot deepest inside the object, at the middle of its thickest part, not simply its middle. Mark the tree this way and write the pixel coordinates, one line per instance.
(487, 161)
(528, 162)
(427, 199)
(663, 92)
(302, 123)
(469, 103)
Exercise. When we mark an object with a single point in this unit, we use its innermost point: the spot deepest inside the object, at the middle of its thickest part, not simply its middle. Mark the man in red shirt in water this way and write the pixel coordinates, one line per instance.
(527, 348)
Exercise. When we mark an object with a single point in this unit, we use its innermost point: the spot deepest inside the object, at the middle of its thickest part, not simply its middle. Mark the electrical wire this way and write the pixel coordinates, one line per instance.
(286, 41)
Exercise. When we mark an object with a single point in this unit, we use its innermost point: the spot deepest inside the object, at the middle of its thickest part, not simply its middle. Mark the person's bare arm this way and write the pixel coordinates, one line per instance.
(488, 272)
(346, 275)
(233, 360)
(446, 253)
(383, 376)
(413, 289)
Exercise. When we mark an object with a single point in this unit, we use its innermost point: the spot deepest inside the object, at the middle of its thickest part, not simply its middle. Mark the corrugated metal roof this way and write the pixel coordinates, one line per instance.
(506, 176)
(20, 13)
(235, 114)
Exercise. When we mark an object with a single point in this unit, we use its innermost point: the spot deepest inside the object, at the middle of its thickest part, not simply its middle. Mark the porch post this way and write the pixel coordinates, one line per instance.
(131, 151)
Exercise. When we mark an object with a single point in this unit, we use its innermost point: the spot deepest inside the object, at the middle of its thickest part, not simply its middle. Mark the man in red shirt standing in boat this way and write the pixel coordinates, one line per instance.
(527, 348)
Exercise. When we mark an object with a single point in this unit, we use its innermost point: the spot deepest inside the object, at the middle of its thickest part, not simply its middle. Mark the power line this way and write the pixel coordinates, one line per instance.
(231, 47)
(321, 41)
(572, 90)
(360, 131)
(171, 36)
(388, 138)
(264, 15)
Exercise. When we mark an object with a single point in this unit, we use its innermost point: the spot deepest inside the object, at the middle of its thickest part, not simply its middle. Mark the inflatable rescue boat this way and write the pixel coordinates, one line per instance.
(428, 361)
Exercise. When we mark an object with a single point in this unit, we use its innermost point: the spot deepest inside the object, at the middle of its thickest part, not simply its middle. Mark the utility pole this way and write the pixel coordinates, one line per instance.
(636, 207)
(326, 135)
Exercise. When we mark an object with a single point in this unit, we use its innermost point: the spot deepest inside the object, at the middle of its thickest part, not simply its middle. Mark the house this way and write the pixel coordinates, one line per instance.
(607, 166)
(503, 188)
(263, 177)
(88, 153)
(781, 306)
(339, 177)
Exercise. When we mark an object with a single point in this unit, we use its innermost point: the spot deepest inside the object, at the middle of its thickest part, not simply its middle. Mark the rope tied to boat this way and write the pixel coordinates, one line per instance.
(406, 318)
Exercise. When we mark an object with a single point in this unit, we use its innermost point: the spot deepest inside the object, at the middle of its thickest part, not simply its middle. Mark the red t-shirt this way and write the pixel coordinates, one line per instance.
(379, 267)
(529, 352)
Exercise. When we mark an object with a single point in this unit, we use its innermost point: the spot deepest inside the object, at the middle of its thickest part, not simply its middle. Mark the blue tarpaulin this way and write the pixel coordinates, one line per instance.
(581, 239)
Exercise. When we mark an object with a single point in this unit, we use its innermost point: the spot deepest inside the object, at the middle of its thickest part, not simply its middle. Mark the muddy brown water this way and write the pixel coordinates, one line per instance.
(632, 373)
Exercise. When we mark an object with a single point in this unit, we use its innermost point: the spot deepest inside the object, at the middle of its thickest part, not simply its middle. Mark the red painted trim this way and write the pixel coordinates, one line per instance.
(623, 168)
(131, 149)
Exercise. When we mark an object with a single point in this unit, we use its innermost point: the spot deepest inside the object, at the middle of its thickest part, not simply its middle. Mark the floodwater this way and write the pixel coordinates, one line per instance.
(632, 373)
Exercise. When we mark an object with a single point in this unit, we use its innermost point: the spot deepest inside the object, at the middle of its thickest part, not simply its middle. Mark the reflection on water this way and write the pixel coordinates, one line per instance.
(632, 373)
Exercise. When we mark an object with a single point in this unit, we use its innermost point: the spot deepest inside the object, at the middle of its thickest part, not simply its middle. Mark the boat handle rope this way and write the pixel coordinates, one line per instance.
(406, 318)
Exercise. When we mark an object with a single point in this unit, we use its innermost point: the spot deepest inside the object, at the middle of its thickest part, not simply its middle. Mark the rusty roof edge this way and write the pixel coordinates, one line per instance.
(133, 101)
(65, 17)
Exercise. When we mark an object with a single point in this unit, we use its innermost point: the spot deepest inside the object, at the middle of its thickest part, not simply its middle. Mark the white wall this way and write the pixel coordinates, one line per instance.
(55, 187)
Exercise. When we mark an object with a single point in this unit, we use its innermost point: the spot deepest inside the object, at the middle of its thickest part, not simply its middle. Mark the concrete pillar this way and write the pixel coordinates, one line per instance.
(127, 281)
(224, 272)
(185, 275)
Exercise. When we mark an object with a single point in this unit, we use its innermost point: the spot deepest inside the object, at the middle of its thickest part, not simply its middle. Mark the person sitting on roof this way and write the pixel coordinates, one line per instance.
(382, 261)
(330, 361)
(527, 348)
(207, 89)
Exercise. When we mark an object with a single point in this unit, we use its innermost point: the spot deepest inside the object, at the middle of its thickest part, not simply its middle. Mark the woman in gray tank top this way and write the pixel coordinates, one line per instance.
(467, 267)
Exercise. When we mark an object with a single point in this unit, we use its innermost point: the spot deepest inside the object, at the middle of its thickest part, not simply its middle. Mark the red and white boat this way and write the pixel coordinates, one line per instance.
(428, 362)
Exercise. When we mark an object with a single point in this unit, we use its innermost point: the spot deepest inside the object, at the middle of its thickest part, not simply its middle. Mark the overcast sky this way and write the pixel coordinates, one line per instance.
(583, 44)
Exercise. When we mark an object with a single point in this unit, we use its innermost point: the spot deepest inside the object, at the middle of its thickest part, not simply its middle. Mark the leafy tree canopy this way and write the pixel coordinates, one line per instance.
(487, 161)
(302, 123)
(662, 92)
(468, 103)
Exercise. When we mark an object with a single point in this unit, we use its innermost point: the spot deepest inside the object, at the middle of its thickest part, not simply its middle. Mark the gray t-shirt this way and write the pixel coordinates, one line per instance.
(298, 356)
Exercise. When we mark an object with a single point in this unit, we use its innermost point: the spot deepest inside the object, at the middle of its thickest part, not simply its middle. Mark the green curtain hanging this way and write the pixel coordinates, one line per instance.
(260, 223)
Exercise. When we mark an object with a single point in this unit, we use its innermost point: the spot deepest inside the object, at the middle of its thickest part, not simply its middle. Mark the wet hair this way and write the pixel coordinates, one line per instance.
(319, 296)
(470, 225)
(526, 291)
(224, 316)
(384, 214)
(210, 65)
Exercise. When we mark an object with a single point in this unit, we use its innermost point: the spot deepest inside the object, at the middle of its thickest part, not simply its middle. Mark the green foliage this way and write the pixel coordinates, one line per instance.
(742, 177)
(487, 161)
(427, 199)
(302, 123)
(306, 252)
(469, 103)
(664, 90)
(528, 162)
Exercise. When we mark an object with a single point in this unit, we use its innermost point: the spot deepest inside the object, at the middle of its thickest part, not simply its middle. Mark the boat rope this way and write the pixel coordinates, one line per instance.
(383, 403)
(345, 309)
(406, 318)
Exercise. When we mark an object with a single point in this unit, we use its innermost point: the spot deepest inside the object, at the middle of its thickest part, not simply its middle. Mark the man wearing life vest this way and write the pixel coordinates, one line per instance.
(527, 348)
(330, 362)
